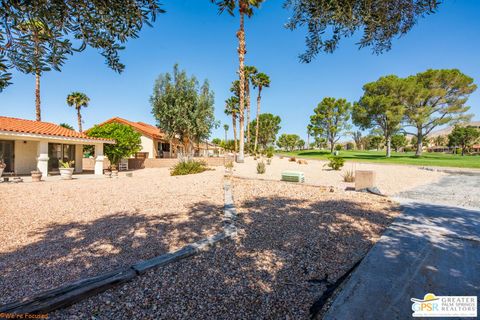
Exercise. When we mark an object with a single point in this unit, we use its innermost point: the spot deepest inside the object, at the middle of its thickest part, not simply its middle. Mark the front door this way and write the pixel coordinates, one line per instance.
(7, 155)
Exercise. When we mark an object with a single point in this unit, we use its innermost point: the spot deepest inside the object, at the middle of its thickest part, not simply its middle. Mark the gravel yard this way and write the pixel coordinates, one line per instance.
(390, 179)
(60, 231)
(292, 240)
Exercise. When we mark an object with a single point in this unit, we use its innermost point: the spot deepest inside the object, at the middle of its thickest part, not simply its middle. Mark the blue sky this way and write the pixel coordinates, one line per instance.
(192, 34)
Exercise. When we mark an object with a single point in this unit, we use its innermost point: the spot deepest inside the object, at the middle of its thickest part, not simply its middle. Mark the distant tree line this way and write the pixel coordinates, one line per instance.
(393, 107)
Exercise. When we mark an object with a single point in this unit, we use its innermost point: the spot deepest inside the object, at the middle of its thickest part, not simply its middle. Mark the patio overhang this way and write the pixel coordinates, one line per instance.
(52, 138)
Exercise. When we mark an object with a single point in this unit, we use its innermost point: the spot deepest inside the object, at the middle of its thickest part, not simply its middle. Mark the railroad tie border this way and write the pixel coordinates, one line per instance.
(71, 293)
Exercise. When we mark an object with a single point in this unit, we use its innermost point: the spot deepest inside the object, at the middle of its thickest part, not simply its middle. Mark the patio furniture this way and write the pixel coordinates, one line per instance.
(293, 176)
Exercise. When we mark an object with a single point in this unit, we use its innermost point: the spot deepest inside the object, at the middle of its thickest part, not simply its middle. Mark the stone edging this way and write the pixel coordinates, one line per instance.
(466, 171)
(71, 293)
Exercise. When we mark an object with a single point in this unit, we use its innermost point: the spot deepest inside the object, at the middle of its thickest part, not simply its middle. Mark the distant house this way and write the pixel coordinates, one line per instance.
(156, 144)
(26, 145)
(433, 147)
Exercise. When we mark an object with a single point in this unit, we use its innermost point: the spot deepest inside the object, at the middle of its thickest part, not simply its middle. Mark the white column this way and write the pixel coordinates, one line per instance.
(99, 159)
(79, 158)
(42, 157)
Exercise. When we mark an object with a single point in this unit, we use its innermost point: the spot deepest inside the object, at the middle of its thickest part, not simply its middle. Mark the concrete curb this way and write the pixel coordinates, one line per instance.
(71, 293)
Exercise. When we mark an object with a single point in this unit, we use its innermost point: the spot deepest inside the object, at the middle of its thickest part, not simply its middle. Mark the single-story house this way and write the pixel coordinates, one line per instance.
(156, 144)
(26, 145)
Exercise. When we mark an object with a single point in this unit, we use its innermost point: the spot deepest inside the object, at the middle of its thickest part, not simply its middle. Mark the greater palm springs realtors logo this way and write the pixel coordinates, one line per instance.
(444, 306)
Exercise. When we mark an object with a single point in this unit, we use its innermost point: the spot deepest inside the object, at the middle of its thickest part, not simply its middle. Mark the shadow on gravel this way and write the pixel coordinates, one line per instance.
(69, 252)
(288, 251)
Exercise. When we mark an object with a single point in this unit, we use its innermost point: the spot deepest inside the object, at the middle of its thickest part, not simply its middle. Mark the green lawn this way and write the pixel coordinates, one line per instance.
(427, 159)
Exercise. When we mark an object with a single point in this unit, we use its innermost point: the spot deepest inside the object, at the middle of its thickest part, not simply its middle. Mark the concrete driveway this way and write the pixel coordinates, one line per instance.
(430, 248)
(453, 189)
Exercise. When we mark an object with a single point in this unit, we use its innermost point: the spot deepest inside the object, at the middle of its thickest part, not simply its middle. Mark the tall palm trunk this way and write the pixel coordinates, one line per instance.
(38, 111)
(247, 105)
(241, 70)
(234, 124)
(225, 137)
(36, 41)
(79, 118)
(259, 98)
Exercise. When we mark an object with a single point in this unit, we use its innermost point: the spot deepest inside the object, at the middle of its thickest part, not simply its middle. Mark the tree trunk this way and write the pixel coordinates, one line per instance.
(234, 123)
(418, 152)
(225, 137)
(332, 145)
(308, 141)
(37, 97)
(247, 106)
(259, 98)
(241, 71)
(389, 146)
(79, 118)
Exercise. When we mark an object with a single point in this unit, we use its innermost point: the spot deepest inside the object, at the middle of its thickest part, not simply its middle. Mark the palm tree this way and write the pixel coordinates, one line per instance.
(66, 126)
(250, 72)
(231, 108)
(245, 8)
(37, 32)
(226, 127)
(260, 81)
(79, 100)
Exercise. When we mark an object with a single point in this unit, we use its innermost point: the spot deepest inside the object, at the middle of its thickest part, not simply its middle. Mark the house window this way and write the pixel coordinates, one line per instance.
(59, 152)
(162, 148)
(6, 154)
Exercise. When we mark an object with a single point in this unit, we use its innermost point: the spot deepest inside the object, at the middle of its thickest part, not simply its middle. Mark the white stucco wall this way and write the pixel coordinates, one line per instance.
(25, 156)
(148, 146)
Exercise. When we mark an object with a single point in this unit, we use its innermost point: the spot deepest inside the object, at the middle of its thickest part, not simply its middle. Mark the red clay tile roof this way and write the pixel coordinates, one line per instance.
(40, 127)
(145, 128)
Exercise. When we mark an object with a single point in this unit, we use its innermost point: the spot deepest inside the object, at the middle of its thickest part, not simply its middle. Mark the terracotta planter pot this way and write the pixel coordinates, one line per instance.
(36, 176)
(66, 173)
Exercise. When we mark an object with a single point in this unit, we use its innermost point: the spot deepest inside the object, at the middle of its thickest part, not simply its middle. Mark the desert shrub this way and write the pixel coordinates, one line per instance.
(269, 154)
(269, 161)
(229, 164)
(188, 167)
(292, 159)
(261, 168)
(349, 176)
(336, 163)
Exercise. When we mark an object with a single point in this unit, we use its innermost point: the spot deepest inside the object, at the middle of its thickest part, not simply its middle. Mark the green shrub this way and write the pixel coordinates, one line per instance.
(408, 149)
(350, 145)
(269, 154)
(261, 168)
(338, 147)
(336, 163)
(188, 167)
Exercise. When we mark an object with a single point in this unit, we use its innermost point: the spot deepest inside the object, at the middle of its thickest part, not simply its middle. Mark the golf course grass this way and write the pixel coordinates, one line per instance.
(427, 159)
